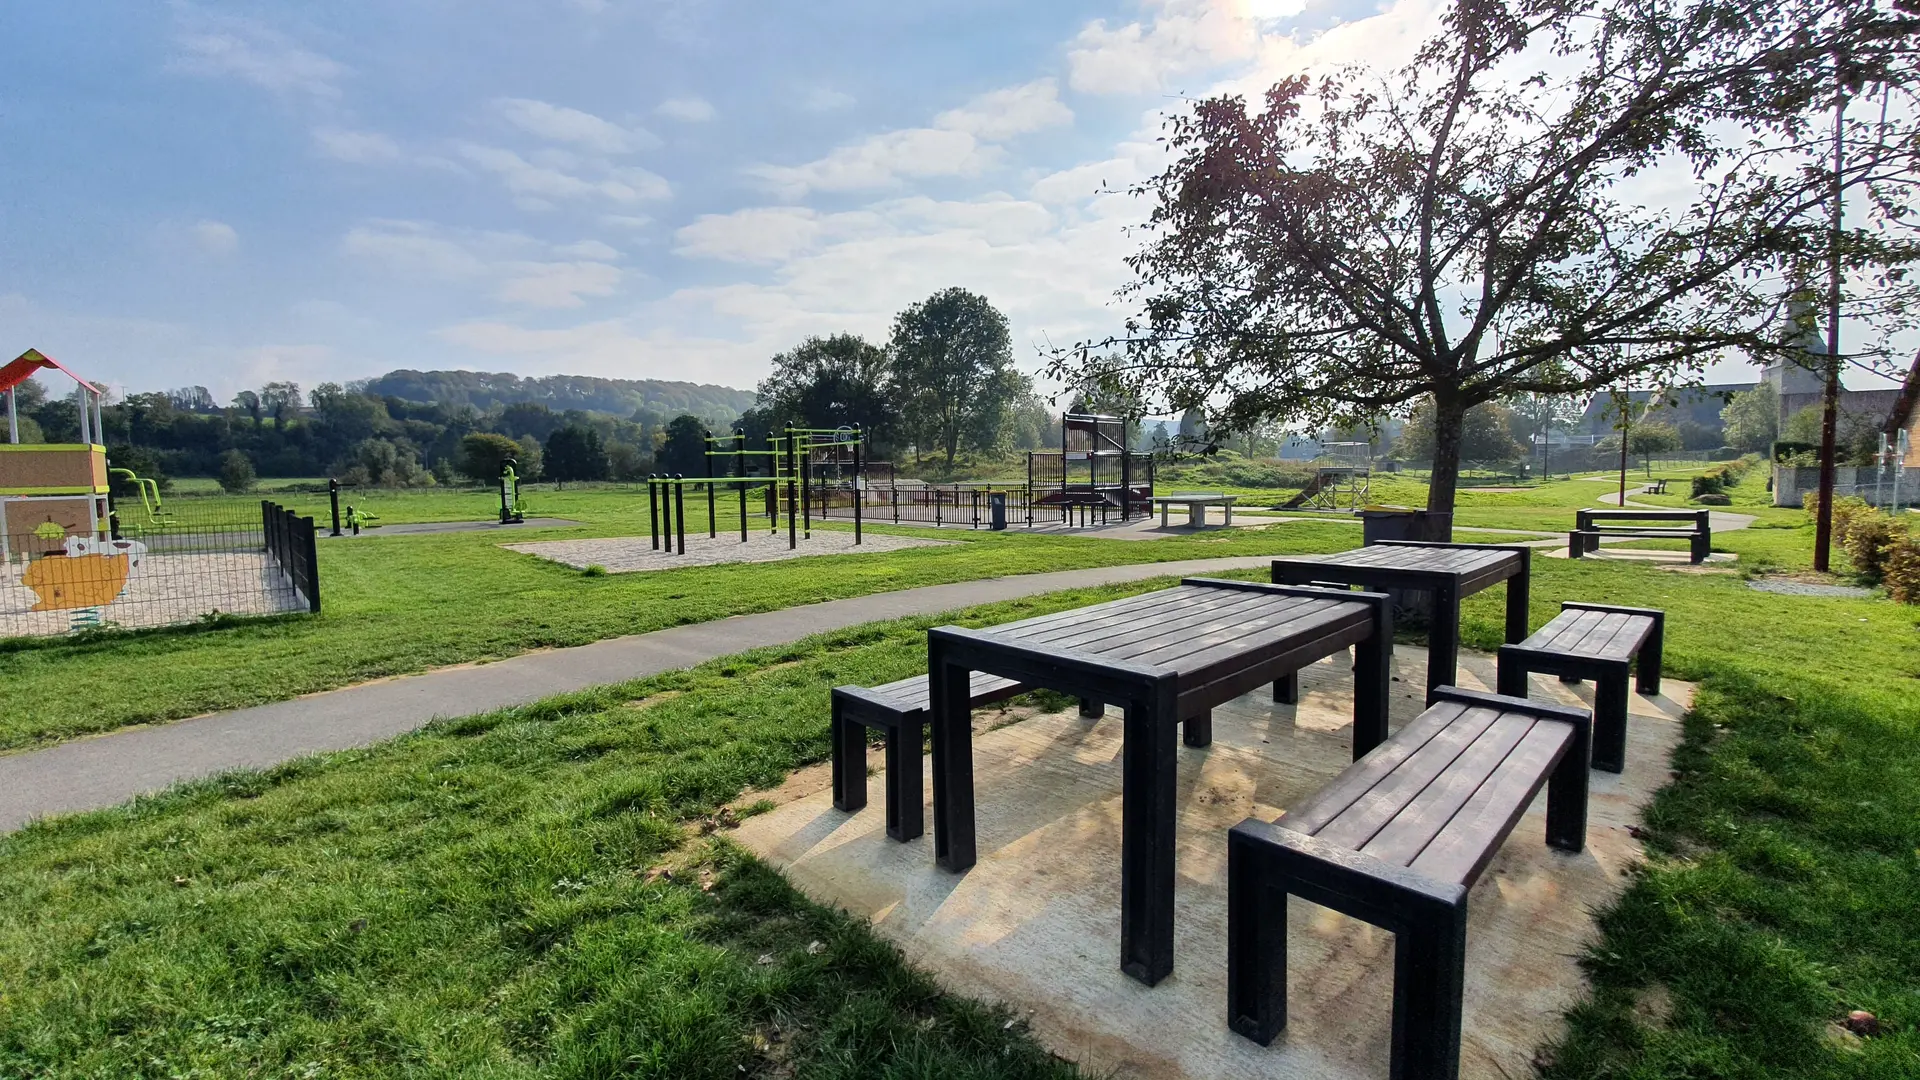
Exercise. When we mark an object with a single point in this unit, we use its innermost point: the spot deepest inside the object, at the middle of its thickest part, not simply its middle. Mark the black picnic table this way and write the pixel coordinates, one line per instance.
(1164, 657)
(1451, 572)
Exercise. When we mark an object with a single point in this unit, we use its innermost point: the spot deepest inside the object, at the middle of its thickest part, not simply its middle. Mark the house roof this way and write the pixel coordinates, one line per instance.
(1904, 405)
(30, 363)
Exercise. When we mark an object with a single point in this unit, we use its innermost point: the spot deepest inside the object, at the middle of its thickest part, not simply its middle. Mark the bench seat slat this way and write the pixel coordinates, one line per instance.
(1462, 849)
(1382, 802)
(1328, 803)
(1582, 632)
(1433, 809)
(914, 694)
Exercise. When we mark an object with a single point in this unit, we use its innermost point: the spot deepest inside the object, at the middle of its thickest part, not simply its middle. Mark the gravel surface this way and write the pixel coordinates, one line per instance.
(631, 554)
(1786, 587)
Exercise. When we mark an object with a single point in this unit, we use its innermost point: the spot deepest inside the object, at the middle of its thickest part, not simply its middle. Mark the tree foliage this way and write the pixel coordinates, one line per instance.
(1751, 419)
(483, 454)
(1481, 223)
(830, 382)
(236, 473)
(683, 452)
(1486, 435)
(953, 372)
(574, 452)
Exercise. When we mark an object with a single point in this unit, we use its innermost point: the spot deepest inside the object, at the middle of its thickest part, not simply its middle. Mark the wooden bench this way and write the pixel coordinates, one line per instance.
(1589, 529)
(1398, 840)
(1657, 487)
(1598, 642)
(902, 710)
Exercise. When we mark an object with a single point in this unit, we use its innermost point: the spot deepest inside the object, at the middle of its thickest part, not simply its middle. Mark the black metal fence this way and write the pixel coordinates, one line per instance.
(970, 505)
(65, 567)
(289, 543)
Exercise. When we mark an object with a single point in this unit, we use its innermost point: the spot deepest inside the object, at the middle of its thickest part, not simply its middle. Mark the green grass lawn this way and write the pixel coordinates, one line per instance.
(485, 898)
(399, 604)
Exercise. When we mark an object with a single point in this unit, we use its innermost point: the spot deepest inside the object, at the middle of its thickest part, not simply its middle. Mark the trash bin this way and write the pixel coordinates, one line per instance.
(997, 510)
(1379, 523)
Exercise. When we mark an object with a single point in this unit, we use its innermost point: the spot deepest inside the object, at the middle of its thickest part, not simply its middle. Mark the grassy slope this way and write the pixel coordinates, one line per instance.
(406, 603)
(475, 899)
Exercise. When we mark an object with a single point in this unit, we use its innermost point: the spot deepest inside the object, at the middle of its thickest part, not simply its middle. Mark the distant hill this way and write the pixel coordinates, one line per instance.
(718, 405)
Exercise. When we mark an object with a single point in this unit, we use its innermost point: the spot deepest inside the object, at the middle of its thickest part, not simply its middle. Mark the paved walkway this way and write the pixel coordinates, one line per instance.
(105, 771)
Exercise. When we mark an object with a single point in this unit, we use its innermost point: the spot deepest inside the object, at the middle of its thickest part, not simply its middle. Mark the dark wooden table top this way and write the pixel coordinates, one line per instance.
(1192, 630)
(1433, 560)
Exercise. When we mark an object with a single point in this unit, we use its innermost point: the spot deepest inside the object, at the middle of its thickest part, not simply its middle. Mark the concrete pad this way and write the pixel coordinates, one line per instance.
(1035, 924)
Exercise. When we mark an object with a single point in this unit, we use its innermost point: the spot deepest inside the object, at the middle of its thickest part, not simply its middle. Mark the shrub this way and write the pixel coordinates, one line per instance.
(1882, 550)
(1721, 477)
(236, 472)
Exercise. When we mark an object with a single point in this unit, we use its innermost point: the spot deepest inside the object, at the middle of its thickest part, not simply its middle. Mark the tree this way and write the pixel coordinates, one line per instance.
(1486, 435)
(1751, 419)
(1538, 415)
(281, 400)
(1459, 231)
(575, 452)
(248, 402)
(236, 472)
(483, 454)
(1650, 439)
(953, 371)
(683, 452)
(830, 382)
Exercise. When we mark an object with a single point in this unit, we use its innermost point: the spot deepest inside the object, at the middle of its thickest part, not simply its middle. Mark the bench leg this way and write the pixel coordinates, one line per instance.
(1429, 986)
(1197, 730)
(1575, 548)
(1286, 690)
(1647, 664)
(1701, 544)
(1256, 943)
(1373, 684)
(906, 787)
(849, 742)
(1610, 721)
(1512, 677)
(1567, 794)
(1091, 709)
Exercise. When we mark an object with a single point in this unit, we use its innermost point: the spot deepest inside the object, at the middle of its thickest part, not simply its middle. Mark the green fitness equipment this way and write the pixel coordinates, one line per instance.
(513, 508)
(157, 514)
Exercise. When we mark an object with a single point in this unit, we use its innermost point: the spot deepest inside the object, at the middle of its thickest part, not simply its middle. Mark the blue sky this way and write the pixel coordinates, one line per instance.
(225, 194)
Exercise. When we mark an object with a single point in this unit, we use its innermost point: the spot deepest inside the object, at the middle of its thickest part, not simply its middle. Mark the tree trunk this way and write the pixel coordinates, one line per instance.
(1449, 421)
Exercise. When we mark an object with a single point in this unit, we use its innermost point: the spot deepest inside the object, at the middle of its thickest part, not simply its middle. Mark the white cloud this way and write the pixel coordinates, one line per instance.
(766, 234)
(535, 184)
(630, 222)
(882, 161)
(231, 47)
(559, 285)
(557, 123)
(687, 110)
(1015, 110)
(1185, 36)
(357, 147)
(510, 267)
(822, 99)
(215, 237)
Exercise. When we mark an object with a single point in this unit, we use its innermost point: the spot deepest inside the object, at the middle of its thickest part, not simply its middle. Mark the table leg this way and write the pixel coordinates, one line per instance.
(1519, 590)
(849, 741)
(951, 723)
(1443, 639)
(1165, 510)
(1286, 689)
(1147, 837)
(1373, 684)
(1229, 512)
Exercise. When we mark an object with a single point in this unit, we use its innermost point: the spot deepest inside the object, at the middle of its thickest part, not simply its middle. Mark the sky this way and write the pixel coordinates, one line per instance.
(231, 194)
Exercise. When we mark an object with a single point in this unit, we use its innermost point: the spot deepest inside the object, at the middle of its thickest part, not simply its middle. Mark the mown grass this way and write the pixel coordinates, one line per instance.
(398, 604)
(480, 898)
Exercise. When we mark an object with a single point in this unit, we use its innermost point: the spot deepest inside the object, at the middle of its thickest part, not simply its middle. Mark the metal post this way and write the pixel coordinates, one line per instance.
(1126, 484)
(100, 425)
(806, 492)
(86, 416)
(712, 528)
(680, 511)
(333, 496)
(653, 511)
(859, 496)
(896, 504)
(13, 419)
(793, 492)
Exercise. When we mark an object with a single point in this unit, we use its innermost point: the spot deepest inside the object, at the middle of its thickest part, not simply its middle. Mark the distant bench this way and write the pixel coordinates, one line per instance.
(1196, 504)
(1690, 525)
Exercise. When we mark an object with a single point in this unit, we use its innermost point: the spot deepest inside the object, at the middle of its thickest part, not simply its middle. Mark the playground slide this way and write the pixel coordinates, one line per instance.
(1308, 492)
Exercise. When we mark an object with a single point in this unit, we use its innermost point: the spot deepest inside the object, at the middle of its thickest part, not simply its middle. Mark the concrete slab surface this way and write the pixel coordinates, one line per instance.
(636, 554)
(1035, 924)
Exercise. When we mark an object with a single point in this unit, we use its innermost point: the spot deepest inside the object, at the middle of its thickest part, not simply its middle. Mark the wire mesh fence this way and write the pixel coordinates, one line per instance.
(136, 570)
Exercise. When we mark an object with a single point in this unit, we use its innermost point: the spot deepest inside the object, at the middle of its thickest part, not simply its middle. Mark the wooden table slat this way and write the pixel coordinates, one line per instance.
(1100, 636)
(1371, 811)
(1202, 652)
(1460, 852)
(1402, 839)
(1235, 634)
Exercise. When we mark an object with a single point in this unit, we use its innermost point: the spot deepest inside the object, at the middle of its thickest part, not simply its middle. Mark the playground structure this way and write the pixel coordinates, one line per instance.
(1342, 481)
(69, 562)
(1089, 441)
(794, 462)
(513, 507)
